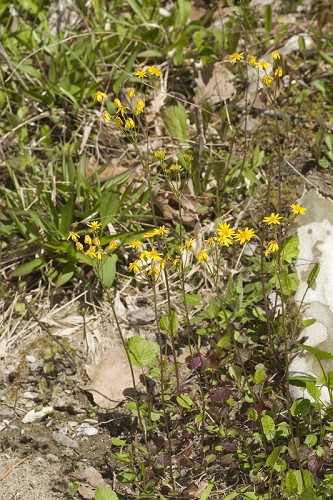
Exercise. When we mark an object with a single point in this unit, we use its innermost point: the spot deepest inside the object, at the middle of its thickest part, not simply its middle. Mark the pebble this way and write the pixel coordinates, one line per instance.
(65, 441)
(33, 415)
(30, 359)
(86, 430)
(30, 395)
(72, 423)
(41, 439)
(52, 458)
(38, 461)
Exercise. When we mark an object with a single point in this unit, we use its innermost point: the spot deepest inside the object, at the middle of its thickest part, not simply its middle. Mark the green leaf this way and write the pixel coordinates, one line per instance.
(259, 376)
(317, 353)
(27, 268)
(142, 352)
(192, 299)
(290, 249)
(326, 57)
(268, 427)
(105, 494)
(313, 275)
(106, 269)
(268, 18)
(272, 458)
(301, 407)
(169, 325)
(308, 322)
(311, 440)
(185, 401)
(313, 390)
(207, 491)
(109, 206)
(65, 275)
(291, 482)
(67, 217)
(174, 118)
(118, 442)
(308, 480)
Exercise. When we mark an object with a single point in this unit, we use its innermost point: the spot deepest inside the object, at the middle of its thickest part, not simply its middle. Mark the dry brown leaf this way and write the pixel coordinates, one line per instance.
(215, 84)
(111, 379)
(168, 205)
(89, 479)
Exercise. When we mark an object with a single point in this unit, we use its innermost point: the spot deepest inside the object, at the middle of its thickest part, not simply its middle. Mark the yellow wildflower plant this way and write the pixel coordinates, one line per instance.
(151, 234)
(79, 246)
(112, 245)
(188, 157)
(155, 256)
(225, 234)
(72, 235)
(267, 80)
(162, 231)
(244, 235)
(188, 245)
(99, 254)
(154, 71)
(118, 121)
(136, 244)
(264, 65)
(155, 271)
(210, 241)
(140, 106)
(91, 252)
(160, 154)
(273, 219)
(252, 61)
(135, 266)
(99, 96)
(176, 262)
(96, 241)
(175, 168)
(145, 255)
(202, 255)
(120, 107)
(87, 239)
(272, 246)
(276, 55)
(129, 123)
(94, 225)
(278, 72)
(106, 116)
(236, 56)
(140, 73)
(297, 209)
(131, 93)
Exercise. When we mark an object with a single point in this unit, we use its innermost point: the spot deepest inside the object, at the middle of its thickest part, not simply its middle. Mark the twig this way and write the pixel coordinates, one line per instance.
(8, 471)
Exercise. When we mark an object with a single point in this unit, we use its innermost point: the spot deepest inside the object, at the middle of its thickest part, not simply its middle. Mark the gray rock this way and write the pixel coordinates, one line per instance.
(30, 359)
(31, 395)
(86, 430)
(41, 439)
(65, 441)
(52, 458)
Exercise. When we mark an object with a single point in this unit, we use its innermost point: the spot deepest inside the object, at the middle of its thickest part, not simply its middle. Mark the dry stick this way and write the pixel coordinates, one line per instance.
(8, 471)
(53, 337)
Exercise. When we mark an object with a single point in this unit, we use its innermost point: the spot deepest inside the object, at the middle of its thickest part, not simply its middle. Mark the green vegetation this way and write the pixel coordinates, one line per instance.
(144, 144)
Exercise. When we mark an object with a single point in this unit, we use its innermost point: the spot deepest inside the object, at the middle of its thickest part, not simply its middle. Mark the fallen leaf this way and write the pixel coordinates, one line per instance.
(168, 205)
(110, 378)
(89, 479)
(215, 84)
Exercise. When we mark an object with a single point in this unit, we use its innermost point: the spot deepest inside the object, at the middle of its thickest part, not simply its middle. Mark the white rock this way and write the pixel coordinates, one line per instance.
(33, 415)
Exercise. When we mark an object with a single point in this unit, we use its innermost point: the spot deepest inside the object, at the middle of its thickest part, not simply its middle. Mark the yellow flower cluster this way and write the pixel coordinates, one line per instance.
(94, 250)
(120, 120)
(267, 80)
(150, 261)
(152, 70)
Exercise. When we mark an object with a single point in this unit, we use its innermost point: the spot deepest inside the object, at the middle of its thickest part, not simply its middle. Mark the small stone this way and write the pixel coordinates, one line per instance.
(86, 430)
(41, 439)
(71, 423)
(30, 359)
(39, 461)
(65, 441)
(33, 415)
(30, 395)
(52, 458)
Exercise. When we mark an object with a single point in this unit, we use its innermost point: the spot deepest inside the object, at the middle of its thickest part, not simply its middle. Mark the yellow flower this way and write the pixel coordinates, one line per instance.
(276, 55)
(72, 235)
(95, 225)
(187, 245)
(129, 123)
(160, 154)
(117, 103)
(176, 262)
(135, 266)
(154, 70)
(297, 209)
(155, 256)
(272, 246)
(145, 255)
(267, 80)
(175, 168)
(91, 252)
(210, 242)
(154, 270)
(244, 235)
(140, 106)
(112, 245)
(99, 96)
(167, 171)
(106, 116)
(151, 234)
(118, 121)
(188, 157)
(278, 72)
(273, 219)
(120, 107)
(131, 93)
(253, 61)
(202, 255)
(236, 56)
(79, 246)
(264, 65)
(224, 240)
(87, 240)
(136, 244)
(100, 253)
(162, 230)
(140, 73)
(96, 241)
(224, 229)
